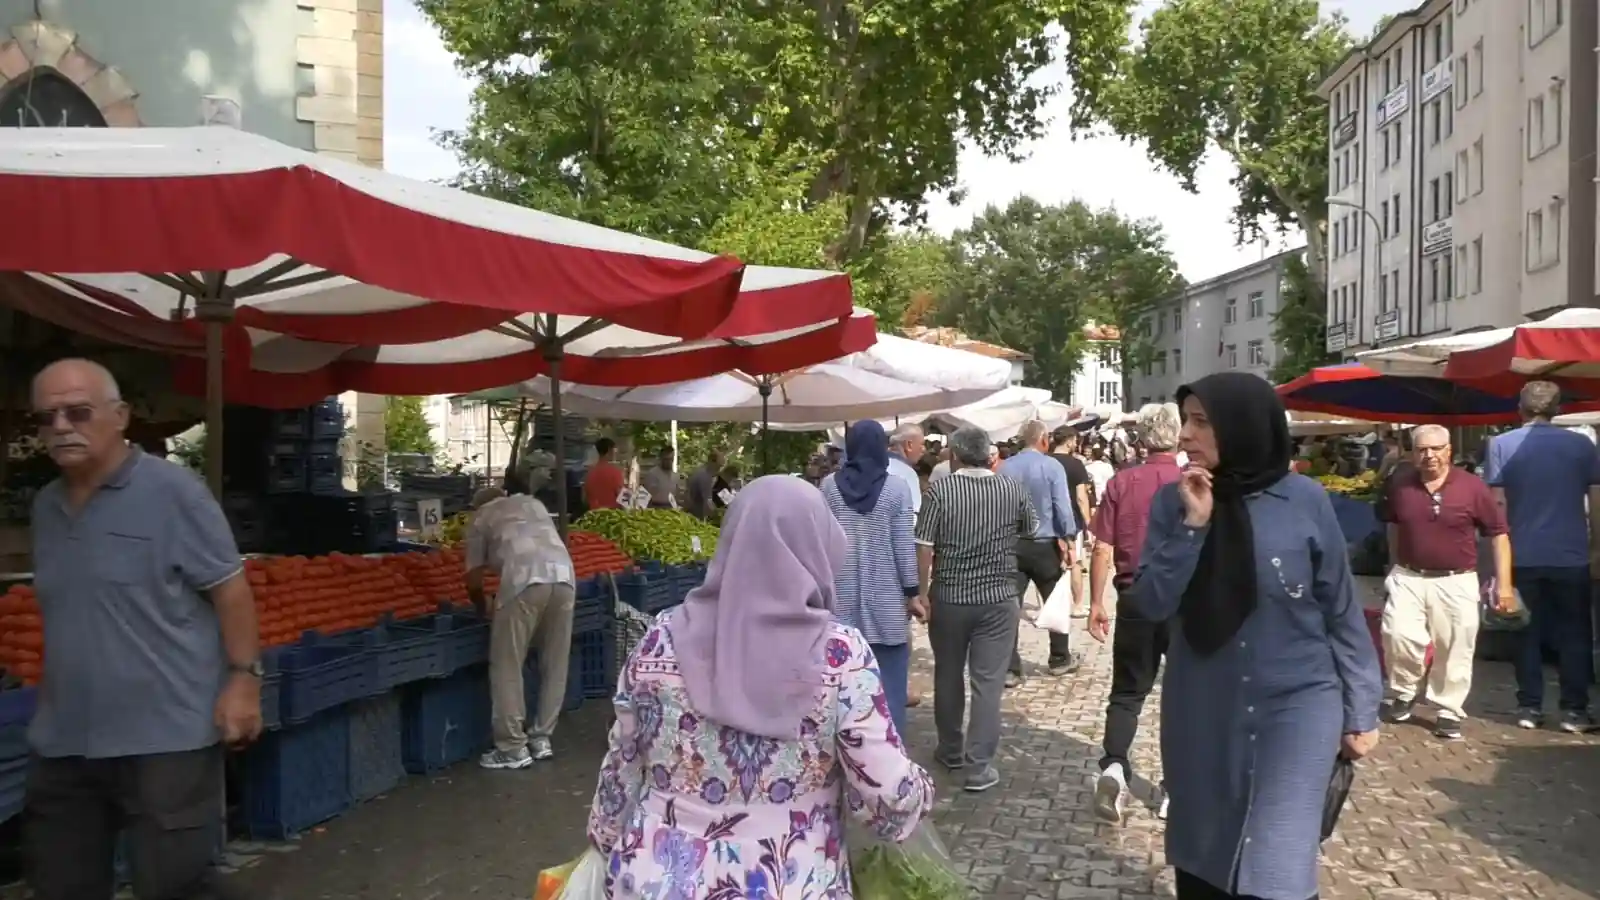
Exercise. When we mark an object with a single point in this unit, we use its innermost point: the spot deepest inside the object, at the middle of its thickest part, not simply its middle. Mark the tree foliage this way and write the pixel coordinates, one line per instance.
(1299, 326)
(654, 116)
(1030, 276)
(902, 276)
(406, 428)
(1238, 77)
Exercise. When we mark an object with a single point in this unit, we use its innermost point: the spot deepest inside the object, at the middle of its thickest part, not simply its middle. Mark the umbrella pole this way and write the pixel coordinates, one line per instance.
(552, 355)
(764, 388)
(215, 311)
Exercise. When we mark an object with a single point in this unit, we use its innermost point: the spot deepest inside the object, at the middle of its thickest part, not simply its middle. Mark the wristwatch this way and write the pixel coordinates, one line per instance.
(252, 668)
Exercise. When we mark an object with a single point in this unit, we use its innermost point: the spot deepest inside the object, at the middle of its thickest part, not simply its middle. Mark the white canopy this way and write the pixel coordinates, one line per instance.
(1001, 414)
(894, 377)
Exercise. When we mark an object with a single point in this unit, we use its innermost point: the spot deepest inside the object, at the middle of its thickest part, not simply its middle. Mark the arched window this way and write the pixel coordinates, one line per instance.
(44, 99)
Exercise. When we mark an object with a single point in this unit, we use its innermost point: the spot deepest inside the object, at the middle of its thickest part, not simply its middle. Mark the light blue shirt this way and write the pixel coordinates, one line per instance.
(1546, 472)
(1046, 483)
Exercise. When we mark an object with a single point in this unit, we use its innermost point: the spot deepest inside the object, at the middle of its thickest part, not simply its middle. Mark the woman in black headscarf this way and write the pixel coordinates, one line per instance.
(1271, 674)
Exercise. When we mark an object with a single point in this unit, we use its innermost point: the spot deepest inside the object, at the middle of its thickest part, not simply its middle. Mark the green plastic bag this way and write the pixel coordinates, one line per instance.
(920, 868)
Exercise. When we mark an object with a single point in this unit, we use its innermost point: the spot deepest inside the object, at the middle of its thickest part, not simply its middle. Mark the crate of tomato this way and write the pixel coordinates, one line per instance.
(594, 555)
(21, 634)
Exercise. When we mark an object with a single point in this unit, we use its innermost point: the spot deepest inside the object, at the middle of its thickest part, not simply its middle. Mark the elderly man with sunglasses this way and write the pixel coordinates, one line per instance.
(1435, 513)
(150, 656)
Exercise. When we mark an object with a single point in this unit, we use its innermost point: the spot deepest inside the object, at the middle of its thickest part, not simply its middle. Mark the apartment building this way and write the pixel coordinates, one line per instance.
(1222, 323)
(1462, 171)
(1098, 381)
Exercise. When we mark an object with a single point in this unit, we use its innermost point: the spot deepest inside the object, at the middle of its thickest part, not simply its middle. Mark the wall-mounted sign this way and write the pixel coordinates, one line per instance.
(1344, 131)
(1386, 327)
(1338, 337)
(1394, 103)
(1437, 80)
(1437, 237)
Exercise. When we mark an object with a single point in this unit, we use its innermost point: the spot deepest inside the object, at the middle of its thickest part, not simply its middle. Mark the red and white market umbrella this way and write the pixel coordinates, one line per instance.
(321, 275)
(1563, 347)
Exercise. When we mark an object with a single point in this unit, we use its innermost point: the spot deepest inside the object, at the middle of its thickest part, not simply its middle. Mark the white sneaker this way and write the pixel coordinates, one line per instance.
(501, 759)
(540, 748)
(1110, 794)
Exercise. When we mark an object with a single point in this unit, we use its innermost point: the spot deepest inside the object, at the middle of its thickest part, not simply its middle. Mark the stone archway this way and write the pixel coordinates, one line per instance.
(47, 57)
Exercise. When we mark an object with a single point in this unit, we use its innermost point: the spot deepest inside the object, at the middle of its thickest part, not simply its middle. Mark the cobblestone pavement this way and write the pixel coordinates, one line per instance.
(1504, 814)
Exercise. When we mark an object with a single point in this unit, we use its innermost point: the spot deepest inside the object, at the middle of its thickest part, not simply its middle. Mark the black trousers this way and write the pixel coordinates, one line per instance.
(1192, 888)
(169, 805)
(1137, 646)
(1039, 562)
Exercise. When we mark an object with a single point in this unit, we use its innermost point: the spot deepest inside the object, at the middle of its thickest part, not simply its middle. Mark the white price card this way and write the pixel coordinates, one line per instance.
(430, 518)
(694, 543)
(726, 495)
(672, 500)
(641, 500)
(624, 499)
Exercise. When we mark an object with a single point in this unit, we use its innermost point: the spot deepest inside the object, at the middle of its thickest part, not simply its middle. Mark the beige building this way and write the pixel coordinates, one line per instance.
(1461, 170)
(308, 73)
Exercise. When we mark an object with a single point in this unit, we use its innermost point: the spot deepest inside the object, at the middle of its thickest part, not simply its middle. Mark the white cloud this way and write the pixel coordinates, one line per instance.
(424, 91)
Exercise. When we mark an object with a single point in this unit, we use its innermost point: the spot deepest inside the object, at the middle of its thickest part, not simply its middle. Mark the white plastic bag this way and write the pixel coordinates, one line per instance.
(1056, 615)
(582, 879)
(919, 868)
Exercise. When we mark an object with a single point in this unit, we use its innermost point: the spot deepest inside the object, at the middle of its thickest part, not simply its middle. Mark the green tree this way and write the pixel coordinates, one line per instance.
(406, 428)
(1238, 77)
(1299, 327)
(1030, 276)
(901, 275)
(652, 116)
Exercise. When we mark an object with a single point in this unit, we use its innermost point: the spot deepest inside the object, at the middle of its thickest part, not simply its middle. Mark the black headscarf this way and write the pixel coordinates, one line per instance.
(1253, 453)
(860, 480)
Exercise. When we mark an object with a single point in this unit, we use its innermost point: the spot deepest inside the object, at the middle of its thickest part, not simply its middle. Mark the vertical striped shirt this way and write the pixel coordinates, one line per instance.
(880, 572)
(972, 520)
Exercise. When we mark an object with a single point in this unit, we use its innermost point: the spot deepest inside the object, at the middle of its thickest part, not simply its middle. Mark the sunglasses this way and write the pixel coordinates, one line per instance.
(1438, 504)
(75, 414)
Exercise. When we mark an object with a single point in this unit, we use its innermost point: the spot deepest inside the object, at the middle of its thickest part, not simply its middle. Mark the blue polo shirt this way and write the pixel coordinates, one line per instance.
(1546, 472)
(1046, 483)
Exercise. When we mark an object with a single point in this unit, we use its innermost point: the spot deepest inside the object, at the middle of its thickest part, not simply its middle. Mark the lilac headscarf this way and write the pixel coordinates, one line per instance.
(750, 640)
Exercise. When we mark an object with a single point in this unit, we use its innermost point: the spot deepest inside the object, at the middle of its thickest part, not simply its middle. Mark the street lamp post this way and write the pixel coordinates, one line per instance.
(1377, 251)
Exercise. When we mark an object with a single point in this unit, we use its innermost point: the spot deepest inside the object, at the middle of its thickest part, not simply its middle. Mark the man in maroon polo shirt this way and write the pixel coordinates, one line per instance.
(1119, 527)
(1435, 513)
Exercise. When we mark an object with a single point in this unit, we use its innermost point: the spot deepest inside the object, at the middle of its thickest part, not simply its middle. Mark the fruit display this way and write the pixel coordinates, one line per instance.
(593, 555)
(668, 535)
(1363, 486)
(453, 531)
(21, 634)
(334, 593)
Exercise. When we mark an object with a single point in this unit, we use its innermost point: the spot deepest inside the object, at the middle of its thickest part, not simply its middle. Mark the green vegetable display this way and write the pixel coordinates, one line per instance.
(885, 873)
(667, 535)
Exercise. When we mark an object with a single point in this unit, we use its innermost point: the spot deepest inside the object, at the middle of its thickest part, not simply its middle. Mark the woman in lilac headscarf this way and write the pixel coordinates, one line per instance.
(748, 721)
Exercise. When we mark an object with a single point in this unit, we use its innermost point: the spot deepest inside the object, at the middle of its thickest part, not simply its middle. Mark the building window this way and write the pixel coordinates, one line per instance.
(1383, 217)
(1257, 304)
(1383, 145)
(1230, 313)
(1394, 211)
(1461, 176)
(1108, 393)
(1477, 68)
(1433, 201)
(1435, 123)
(1177, 320)
(1543, 237)
(1161, 365)
(1258, 353)
(1433, 280)
(1477, 264)
(1462, 67)
(1449, 194)
(1177, 362)
(1383, 292)
(1476, 156)
(1462, 262)
(1544, 19)
(1399, 138)
(1355, 162)
(1232, 355)
(1534, 239)
(1449, 275)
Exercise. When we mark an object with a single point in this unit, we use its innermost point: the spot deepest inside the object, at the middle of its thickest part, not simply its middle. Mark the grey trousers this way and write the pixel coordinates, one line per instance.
(540, 617)
(973, 644)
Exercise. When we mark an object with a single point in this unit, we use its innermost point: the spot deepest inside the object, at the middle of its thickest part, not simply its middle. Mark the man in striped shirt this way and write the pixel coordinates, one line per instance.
(967, 560)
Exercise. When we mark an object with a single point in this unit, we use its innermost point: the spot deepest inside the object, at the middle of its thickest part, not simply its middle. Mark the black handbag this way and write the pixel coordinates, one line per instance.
(1344, 775)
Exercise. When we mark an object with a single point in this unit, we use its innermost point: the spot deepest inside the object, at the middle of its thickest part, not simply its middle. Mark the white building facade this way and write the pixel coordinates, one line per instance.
(1098, 381)
(1461, 170)
(1220, 324)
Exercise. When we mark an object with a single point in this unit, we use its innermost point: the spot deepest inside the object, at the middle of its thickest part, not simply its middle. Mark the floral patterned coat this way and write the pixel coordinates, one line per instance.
(690, 810)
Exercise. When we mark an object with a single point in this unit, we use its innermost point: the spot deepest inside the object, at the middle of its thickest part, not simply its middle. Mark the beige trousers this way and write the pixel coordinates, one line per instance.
(1443, 611)
(541, 618)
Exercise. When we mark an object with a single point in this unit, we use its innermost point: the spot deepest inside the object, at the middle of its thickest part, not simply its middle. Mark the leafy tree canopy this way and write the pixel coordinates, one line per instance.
(1238, 77)
(1299, 326)
(1030, 276)
(653, 115)
(406, 428)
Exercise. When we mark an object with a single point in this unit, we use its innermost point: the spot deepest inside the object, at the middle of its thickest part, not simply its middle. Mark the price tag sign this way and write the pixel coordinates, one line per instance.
(726, 496)
(694, 544)
(624, 499)
(641, 500)
(430, 518)
(672, 500)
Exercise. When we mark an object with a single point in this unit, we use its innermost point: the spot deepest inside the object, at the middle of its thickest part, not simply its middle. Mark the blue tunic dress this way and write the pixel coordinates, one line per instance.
(1249, 734)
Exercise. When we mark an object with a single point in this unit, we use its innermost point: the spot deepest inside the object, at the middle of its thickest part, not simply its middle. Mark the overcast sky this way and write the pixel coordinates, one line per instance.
(423, 91)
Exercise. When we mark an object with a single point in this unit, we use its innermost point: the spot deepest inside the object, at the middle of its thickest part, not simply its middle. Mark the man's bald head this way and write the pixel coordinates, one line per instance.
(80, 417)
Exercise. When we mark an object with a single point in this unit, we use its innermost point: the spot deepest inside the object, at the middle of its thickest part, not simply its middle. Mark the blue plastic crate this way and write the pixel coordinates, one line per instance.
(324, 474)
(300, 446)
(17, 706)
(646, 593)
(686, 578)
(321, 674)
(444, 721)
(401, 654)
(13, 768)
(298, 777)
(271, 692)
(586, 620)
(376, 766)
(590, 665)
(467, 643)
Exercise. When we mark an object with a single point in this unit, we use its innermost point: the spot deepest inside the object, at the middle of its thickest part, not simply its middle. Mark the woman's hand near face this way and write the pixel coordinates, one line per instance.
(1194, 487)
